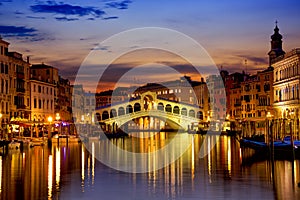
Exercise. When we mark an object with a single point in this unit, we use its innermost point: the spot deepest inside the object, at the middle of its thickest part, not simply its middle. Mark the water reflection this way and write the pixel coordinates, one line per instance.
(70, 171)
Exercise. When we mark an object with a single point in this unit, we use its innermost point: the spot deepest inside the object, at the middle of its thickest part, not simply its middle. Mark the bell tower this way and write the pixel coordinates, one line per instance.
(276, 45)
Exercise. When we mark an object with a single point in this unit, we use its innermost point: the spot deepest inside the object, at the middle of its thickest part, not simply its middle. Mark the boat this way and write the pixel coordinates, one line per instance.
(281, 148)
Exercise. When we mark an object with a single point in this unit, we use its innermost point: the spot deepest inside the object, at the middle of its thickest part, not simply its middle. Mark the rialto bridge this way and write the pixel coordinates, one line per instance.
(148, 112)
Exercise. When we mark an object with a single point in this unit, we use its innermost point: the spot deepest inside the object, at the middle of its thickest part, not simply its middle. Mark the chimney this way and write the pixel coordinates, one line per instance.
(28, 59)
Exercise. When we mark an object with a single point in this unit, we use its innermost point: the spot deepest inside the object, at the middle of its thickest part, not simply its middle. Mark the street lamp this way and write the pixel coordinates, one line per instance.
(50, 119)
(57, 118)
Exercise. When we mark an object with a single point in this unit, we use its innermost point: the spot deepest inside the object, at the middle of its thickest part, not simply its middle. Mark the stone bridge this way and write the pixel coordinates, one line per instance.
(145, 110)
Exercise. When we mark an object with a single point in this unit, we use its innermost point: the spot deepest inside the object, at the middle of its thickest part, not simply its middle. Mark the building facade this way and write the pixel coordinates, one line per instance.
(44, 90)
(286, 85)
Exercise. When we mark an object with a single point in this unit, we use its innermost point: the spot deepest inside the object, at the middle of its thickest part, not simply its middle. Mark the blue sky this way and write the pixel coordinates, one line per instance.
(62, 33)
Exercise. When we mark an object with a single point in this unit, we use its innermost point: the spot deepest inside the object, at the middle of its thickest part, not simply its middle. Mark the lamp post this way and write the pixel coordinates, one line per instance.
(57, 118)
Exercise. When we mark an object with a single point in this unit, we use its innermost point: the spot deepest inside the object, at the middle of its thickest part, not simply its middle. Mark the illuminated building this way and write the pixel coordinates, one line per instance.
(43, 83)
(64, 107)
(14, 85)
(233, 95)
(286, 84)
(78, 103)
(286, 78)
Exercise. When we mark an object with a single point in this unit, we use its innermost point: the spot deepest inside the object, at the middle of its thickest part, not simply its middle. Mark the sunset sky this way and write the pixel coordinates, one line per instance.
(62, 33)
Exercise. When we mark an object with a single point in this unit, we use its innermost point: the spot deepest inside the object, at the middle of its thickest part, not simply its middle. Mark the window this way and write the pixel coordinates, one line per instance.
(40, 104)
(34, 88)
(39, 89)
(34, 103)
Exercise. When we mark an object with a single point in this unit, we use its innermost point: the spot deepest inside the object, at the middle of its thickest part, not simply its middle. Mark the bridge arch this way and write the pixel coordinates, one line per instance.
(121, 111)
(137, 107)
(184, 111)
(98, 116)
(176, 110)
(160, 106)
(105, 115)
(113, 113)
(148, 102)
(129, 109)
(200, 115)
(191, 113)
(168, 108)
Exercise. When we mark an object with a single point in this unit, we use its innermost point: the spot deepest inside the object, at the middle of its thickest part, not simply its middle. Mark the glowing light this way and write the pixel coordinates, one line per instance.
(193, 159)
(50, 119)
(82, 167)
(57, 167)
(50, 174)
(57, 116)
(229, 155)
(0, 174)
(93, 163)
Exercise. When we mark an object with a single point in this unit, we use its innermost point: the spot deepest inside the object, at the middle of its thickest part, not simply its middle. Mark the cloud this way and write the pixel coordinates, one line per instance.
(122, 5)
(254, 59)
(33, 17)
(66, 9)
(17, 31)
(66, 19)
(108, 18)
(19, 13)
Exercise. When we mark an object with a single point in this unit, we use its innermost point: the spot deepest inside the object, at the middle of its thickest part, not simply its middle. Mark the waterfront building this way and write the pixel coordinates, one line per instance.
(286, 85)
(14, 84)
(217, 96)
(233, 95)
(43, 84)
(64, 100)
(286, 78)
(78, 103)
(89, 107)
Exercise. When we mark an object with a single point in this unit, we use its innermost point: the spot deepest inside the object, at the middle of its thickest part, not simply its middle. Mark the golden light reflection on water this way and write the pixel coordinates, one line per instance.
(30, 174)
(50, 174)
(229, 155)
(93, 163)
(82, 167)
(57, 167)
(0, 174)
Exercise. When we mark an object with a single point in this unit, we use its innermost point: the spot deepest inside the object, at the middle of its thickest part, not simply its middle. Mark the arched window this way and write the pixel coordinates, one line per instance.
(121, 111)
(191, 113)
(176, 110)
(184, 111)
(105, 115)
(98, 116)
(129, 109)
(168, 108)
(113, 113)
(160, 106)
(200, 115)
(137, 107)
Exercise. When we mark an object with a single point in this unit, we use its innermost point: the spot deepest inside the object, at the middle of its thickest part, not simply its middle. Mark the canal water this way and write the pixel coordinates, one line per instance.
(70, 171)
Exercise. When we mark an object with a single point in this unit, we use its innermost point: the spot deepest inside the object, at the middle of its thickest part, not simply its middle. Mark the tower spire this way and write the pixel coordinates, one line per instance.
(276, 45)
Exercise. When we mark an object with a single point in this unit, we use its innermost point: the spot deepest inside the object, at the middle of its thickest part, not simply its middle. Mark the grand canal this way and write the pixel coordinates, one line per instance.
(70, 171)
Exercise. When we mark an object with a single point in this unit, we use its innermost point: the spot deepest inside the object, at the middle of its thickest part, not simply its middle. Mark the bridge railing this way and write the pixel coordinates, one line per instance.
(154, 113)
